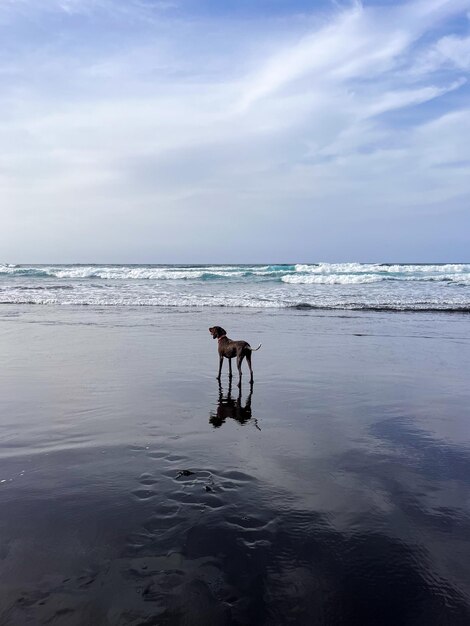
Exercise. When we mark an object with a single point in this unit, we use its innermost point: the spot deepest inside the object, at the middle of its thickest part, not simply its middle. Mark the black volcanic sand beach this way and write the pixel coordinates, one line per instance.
(134, 491)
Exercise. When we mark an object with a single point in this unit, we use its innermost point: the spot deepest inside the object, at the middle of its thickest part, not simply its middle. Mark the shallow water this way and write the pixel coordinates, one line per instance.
(336, 493)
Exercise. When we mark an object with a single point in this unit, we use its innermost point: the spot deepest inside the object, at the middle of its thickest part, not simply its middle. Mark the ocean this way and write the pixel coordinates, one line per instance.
(136, 489)
(353, 286)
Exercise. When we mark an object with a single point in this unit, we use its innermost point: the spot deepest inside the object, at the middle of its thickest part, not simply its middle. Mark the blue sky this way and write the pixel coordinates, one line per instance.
(238, 131)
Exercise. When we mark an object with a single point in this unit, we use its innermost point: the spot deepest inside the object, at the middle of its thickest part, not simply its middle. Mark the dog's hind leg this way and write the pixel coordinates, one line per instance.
(248, 360)
(239, 366)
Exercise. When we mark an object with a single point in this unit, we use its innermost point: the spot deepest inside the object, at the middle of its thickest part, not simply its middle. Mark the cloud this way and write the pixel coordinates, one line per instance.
(164, 119)
(448, 52)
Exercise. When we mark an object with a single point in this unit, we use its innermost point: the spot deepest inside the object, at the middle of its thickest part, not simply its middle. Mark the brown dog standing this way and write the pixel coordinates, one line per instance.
(231, 349)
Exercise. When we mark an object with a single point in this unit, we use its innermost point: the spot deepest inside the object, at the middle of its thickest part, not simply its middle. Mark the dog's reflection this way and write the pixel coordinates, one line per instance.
(232, 408)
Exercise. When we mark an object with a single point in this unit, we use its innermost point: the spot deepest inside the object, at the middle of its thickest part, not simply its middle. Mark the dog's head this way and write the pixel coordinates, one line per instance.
(217, 332)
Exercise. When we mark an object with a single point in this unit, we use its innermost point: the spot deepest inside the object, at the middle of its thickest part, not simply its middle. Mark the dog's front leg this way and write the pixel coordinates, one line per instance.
(221, 360)
(230, 368)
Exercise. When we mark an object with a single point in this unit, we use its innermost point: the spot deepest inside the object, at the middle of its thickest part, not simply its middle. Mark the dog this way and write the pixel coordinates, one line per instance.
(231, 349)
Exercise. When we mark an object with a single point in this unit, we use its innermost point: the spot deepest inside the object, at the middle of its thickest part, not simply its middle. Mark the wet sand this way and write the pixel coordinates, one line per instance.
(134, 491)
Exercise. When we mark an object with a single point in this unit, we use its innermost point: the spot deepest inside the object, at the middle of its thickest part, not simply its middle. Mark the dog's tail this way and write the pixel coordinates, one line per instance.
(254, 349)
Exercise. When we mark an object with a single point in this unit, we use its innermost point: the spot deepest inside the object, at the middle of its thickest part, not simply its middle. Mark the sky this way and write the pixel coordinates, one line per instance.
(229, 131)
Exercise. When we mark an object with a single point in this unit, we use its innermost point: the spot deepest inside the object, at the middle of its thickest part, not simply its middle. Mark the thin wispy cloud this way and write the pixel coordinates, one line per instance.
(134, 131)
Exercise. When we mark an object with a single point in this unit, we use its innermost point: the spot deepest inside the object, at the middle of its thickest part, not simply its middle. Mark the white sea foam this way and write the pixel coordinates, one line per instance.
(132, 273)
(337, 268)
(236, 300)
(363, 278)
(331, 279)
(122, 272)
(126, 273)
(134, 300)
(368, 268)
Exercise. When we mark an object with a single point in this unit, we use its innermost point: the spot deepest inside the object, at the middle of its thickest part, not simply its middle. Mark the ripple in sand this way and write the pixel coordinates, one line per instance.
(229, 486)
(144, 494)
(212, 501)
(249, 523)
(204, 473)
(32, 598)
(147, 479)
(184, 497)
(167, 509)
(158, 455)
(200, 497)
(156, 525)
(139, 541)
(256, 544)
(164, 583)
(238, 476)
(173, 458)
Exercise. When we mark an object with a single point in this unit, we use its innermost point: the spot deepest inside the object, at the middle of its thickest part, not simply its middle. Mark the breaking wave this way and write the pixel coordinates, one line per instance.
(406, 287)
(321, 273)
